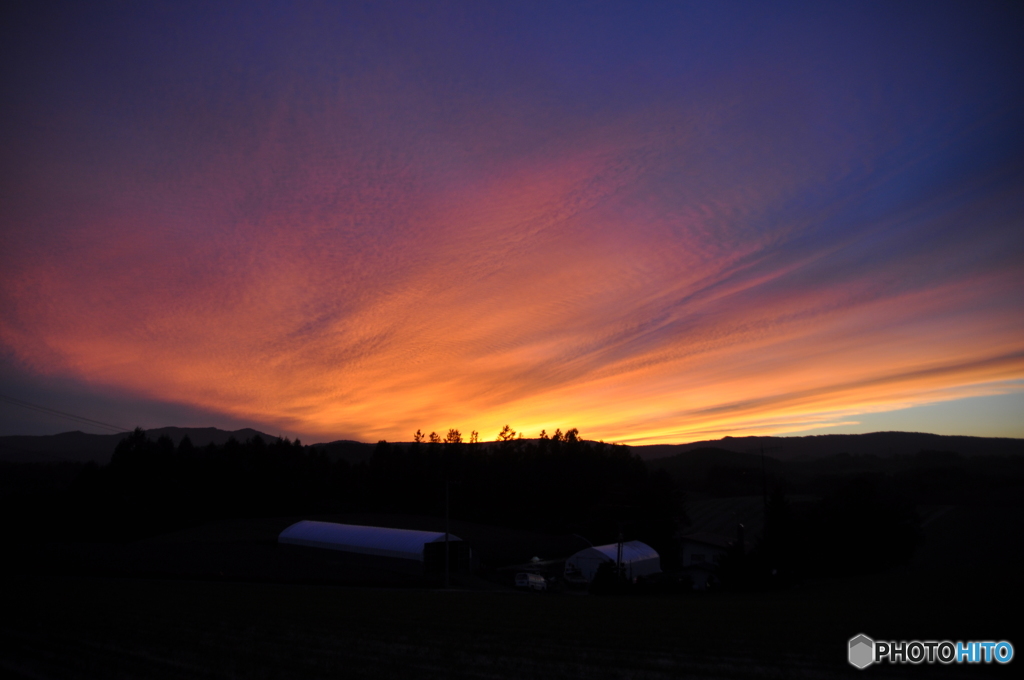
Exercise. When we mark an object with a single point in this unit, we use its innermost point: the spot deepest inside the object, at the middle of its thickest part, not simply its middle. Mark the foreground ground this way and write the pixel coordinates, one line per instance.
(173, 608)
(64, 627)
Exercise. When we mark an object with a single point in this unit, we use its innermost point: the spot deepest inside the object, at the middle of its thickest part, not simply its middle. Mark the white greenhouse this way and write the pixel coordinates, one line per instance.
(403, 544)
(638, 559)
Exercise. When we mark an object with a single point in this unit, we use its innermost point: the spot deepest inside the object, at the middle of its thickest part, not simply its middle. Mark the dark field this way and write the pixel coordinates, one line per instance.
(64, 627)
(221, 599)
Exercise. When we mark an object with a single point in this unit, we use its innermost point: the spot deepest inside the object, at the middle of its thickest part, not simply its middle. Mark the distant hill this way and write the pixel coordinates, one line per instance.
(84, 447)
(882, 444)
(348, 450)
(704, 458)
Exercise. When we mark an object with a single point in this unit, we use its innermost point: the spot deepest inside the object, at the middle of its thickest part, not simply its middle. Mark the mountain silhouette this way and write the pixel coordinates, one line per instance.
(84, 447)
(815, 446)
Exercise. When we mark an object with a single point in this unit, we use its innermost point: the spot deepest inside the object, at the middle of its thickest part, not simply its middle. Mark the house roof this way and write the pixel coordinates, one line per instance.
(705, 538)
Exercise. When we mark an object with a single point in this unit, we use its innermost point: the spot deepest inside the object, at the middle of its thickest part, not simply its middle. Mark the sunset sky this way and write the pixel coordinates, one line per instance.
(656, 222)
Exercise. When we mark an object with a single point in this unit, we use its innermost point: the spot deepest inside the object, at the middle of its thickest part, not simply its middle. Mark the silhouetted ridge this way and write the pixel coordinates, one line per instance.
(874, 443)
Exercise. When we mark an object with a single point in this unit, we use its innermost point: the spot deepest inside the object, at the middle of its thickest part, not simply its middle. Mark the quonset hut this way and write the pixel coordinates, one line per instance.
(395, 549)
(638, 559)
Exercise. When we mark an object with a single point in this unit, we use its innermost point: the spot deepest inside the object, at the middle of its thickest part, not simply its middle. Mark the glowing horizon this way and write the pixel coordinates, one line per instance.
(352, 224)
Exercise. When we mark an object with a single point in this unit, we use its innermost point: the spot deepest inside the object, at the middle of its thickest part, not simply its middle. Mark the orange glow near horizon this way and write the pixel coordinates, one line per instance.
(511, 314)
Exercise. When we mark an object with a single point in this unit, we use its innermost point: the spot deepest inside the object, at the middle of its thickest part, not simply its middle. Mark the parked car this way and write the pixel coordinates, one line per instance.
(531, 581)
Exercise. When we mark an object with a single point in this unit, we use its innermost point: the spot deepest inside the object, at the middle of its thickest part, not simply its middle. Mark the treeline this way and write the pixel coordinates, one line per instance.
(559, 484)
(151, 487)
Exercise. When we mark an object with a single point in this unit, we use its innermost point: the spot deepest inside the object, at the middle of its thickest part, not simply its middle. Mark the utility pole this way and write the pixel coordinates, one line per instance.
(618, 561)
(764, 471)
(446, 558)
(764, 481)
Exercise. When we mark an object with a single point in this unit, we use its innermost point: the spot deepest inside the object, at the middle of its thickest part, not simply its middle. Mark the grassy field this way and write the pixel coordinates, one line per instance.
(64, 627)
(195, 622)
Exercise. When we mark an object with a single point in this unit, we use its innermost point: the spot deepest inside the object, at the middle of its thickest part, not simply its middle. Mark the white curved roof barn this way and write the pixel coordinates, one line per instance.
(638, 558)
(405, 544)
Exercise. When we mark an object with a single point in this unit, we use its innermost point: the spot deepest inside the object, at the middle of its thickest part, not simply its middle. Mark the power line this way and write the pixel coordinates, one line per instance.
(70, 416)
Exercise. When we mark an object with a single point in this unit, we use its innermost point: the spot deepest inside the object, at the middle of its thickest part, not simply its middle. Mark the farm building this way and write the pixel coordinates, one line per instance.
(703, 548)
(638, 559)
(414, 550)
(701, 553)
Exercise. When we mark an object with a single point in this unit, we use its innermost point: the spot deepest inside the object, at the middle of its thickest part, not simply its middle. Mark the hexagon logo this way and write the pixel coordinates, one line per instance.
(862, 651)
